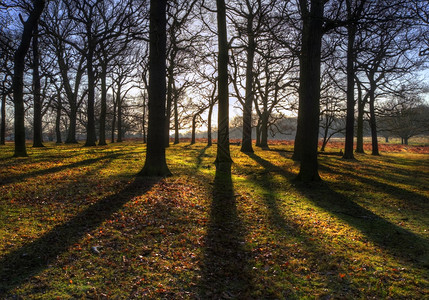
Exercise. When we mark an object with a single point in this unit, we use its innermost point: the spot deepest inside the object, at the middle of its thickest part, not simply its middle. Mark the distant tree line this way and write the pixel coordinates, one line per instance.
(102, 68)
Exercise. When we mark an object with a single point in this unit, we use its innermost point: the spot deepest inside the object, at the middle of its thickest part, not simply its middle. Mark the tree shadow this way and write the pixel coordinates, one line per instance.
(21, 177)
(283, 227)
(401, 243)
(395, 191)
(200, 157)
(32, 258)
(225, 269)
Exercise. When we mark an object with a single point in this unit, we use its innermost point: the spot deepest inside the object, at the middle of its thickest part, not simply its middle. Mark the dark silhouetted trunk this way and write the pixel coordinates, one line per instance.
(359, 134)
(372, 120)
(119, 104)
(325, 134)
(258, 133)
(37, 99)
(176, 122)
(3, 120)
(155, 163)
(71, 134)
(91, 138)
(144, 121)
(209, 126)
(194, 121)
(58, 120)
(112, 140)
(103, 108)
(264, 130)
(223, 157)
(350, 118)
(309, 91)
(18, 77)
(169, 102)
(247, 107)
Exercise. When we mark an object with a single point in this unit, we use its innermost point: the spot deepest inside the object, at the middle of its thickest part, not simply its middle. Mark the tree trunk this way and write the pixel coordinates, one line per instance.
(18, 77)
(194, 121)
(406, 141)
(155, 163)
(58, 120)
(71, 134)
(246, 145)
(144, 120)
(258, 133)
(103, 109)
(37, 99)
(325, 134)
(309, 90)
(91, 138)
(297, 146)
(176, 122)
(112, 140)
(264, 131)
(209, 126)
(169, 103)
(372, 122)
(350, 118)
(386, 139)
(119, 104)
(359, 135)
(3, 120)
(223, 158)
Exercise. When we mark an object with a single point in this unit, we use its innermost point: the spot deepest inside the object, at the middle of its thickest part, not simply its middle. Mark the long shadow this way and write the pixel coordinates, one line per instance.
(225, 269)
(286, 226)
(200, 157)
(387, 188)
(269, 167)
(85, 162)
(19, 265)
(398, 241)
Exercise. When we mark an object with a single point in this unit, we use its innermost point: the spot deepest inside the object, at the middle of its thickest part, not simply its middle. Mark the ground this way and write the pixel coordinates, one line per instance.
(75, 222)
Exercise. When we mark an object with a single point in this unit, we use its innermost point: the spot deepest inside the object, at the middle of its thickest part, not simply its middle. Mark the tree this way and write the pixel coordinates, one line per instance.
(122, 76)
(309, 88)
(37, 97)
(6, 70)
(250, 12)
(223, 158)
(405, 115)
(113, 43)
(273, 82)
(332, 118)
(180, 42)
(60, 30)
(388, 57)
(18, 76)
(155, 163)
(355, 10)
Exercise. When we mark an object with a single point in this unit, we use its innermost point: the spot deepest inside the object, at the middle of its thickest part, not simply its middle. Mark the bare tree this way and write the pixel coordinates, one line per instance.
(223, 156)
(19, 64)
(155, 163)
(309, 90)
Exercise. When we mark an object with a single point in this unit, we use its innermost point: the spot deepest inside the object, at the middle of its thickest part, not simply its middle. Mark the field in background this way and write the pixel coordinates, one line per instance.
(75, 223)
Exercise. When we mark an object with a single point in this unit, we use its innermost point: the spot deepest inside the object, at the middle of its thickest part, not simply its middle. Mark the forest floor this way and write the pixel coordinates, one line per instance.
(76, 223)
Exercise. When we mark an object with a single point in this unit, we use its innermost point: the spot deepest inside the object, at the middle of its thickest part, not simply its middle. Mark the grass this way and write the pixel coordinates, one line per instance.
(76, 223)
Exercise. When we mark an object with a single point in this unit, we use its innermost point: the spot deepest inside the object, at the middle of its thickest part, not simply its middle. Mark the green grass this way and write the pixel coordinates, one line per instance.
(361, 233)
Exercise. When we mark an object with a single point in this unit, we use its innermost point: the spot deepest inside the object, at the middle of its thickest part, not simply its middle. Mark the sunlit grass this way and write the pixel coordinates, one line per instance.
(362, 233)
